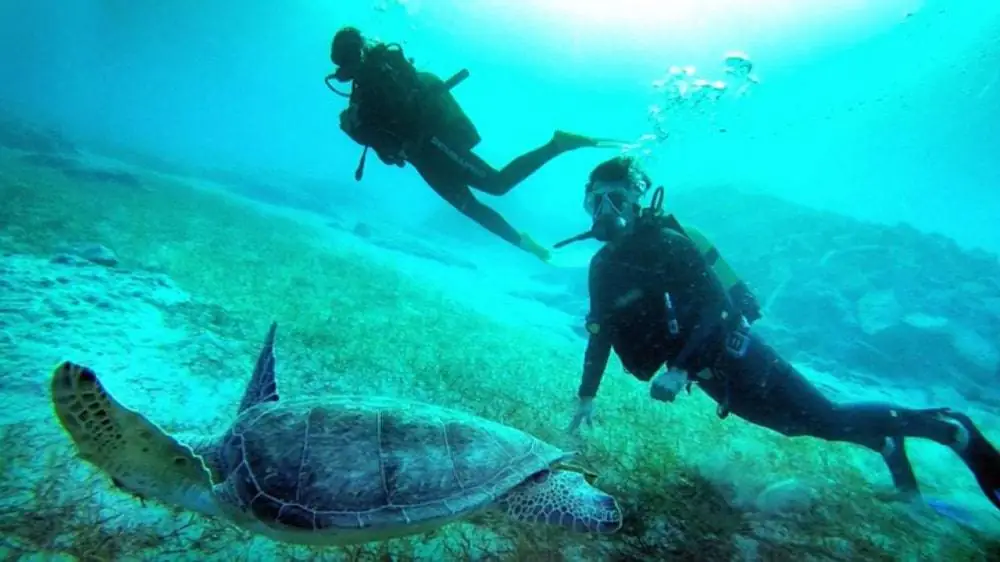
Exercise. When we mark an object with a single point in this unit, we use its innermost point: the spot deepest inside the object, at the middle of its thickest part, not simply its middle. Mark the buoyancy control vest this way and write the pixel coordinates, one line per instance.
(396, 105)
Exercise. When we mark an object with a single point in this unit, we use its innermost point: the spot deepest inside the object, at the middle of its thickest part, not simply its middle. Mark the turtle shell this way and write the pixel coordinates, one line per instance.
(353, 463)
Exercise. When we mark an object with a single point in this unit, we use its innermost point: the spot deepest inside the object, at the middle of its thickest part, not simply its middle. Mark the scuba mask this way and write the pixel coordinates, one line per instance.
(612, 207)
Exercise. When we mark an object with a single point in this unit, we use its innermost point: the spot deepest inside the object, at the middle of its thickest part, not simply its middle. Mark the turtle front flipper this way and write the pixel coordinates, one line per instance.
(138, 456)
(565, 498)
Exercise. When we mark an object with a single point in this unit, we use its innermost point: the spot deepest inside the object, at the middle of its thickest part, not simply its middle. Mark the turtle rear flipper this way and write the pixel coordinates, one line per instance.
(263, 386)
(138, 456)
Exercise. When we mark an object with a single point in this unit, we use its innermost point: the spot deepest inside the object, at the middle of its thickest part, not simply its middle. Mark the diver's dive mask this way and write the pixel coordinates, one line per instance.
(612, 206)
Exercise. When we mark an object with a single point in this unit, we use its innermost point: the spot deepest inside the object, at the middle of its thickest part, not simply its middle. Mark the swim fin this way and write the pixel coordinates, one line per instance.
(529, 245)
(572, 141)
(952, 510)
(980, 456)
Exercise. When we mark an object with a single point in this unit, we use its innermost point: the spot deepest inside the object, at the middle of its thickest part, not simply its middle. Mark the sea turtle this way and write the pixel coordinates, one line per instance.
(334, 470)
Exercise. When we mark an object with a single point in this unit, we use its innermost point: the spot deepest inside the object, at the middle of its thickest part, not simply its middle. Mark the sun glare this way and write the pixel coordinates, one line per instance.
(649, 14)
(645, 20)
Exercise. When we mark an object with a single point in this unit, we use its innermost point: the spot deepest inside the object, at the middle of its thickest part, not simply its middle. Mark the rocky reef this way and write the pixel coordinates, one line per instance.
(18, 134)
(50, 149)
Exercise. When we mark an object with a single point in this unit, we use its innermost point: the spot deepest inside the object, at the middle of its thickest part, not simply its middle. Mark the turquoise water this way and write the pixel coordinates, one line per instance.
(854, 95)
(851, 179)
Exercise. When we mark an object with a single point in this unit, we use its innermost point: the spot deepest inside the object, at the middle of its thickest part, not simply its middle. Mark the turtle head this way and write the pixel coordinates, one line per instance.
(139, 457)
(563, 497)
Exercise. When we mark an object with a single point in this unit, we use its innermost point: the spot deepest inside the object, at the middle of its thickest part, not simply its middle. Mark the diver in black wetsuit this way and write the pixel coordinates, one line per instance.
(662, 298)
(410, 116)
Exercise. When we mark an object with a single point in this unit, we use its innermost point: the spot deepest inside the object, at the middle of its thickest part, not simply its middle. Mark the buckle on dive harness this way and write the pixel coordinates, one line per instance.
(738, 339)
(672, 326)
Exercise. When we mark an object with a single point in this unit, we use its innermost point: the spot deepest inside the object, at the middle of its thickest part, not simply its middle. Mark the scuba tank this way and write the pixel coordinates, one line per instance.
(443, 117)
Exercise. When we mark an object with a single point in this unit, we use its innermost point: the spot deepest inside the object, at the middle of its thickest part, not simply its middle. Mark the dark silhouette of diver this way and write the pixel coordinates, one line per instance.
(666, 302)
(406, 115)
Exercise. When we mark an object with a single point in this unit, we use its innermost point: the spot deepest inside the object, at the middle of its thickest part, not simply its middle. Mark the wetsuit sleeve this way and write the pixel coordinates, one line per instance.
(595, 360)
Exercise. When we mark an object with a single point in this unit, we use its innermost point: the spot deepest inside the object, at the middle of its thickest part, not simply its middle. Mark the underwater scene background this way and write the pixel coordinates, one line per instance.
(173, 179)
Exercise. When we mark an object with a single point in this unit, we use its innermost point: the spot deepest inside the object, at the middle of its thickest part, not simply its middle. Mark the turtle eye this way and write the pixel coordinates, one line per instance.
(540, 477)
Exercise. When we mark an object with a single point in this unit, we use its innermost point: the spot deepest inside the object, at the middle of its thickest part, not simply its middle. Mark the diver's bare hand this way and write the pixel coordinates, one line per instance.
(584, 413)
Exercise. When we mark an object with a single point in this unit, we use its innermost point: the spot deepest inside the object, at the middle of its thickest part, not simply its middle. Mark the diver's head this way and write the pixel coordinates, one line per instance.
(613, 195)
(346, 51)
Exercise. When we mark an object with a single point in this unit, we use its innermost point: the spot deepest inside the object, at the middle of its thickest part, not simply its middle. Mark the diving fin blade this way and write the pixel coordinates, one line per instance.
(610, 143)
(572, 141)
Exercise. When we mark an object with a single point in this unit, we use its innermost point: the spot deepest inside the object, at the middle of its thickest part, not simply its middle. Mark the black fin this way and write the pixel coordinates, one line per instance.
(981, 457)
(262, 387)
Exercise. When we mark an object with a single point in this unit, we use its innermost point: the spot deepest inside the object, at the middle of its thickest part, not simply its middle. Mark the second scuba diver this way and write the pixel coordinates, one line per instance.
(405, 115)
(662, 298)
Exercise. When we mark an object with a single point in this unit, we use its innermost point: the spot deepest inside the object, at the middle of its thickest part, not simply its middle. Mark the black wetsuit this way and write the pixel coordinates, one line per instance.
(436, 137)
(628, 313)
(452, 172)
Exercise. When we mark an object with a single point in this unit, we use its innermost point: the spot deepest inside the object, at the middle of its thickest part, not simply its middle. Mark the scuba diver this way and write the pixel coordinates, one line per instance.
(666, 302)
(406, 115)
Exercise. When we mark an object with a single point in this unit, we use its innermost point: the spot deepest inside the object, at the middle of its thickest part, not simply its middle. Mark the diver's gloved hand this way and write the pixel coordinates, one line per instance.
(584, 413)
(667, 385)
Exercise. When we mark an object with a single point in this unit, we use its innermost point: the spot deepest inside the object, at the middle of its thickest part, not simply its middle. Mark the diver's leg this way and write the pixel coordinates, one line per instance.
(864, 423)
(479, 174)
(767, 390)
(463, 200)
(520, 168)
(460, 196)
(491, 220)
